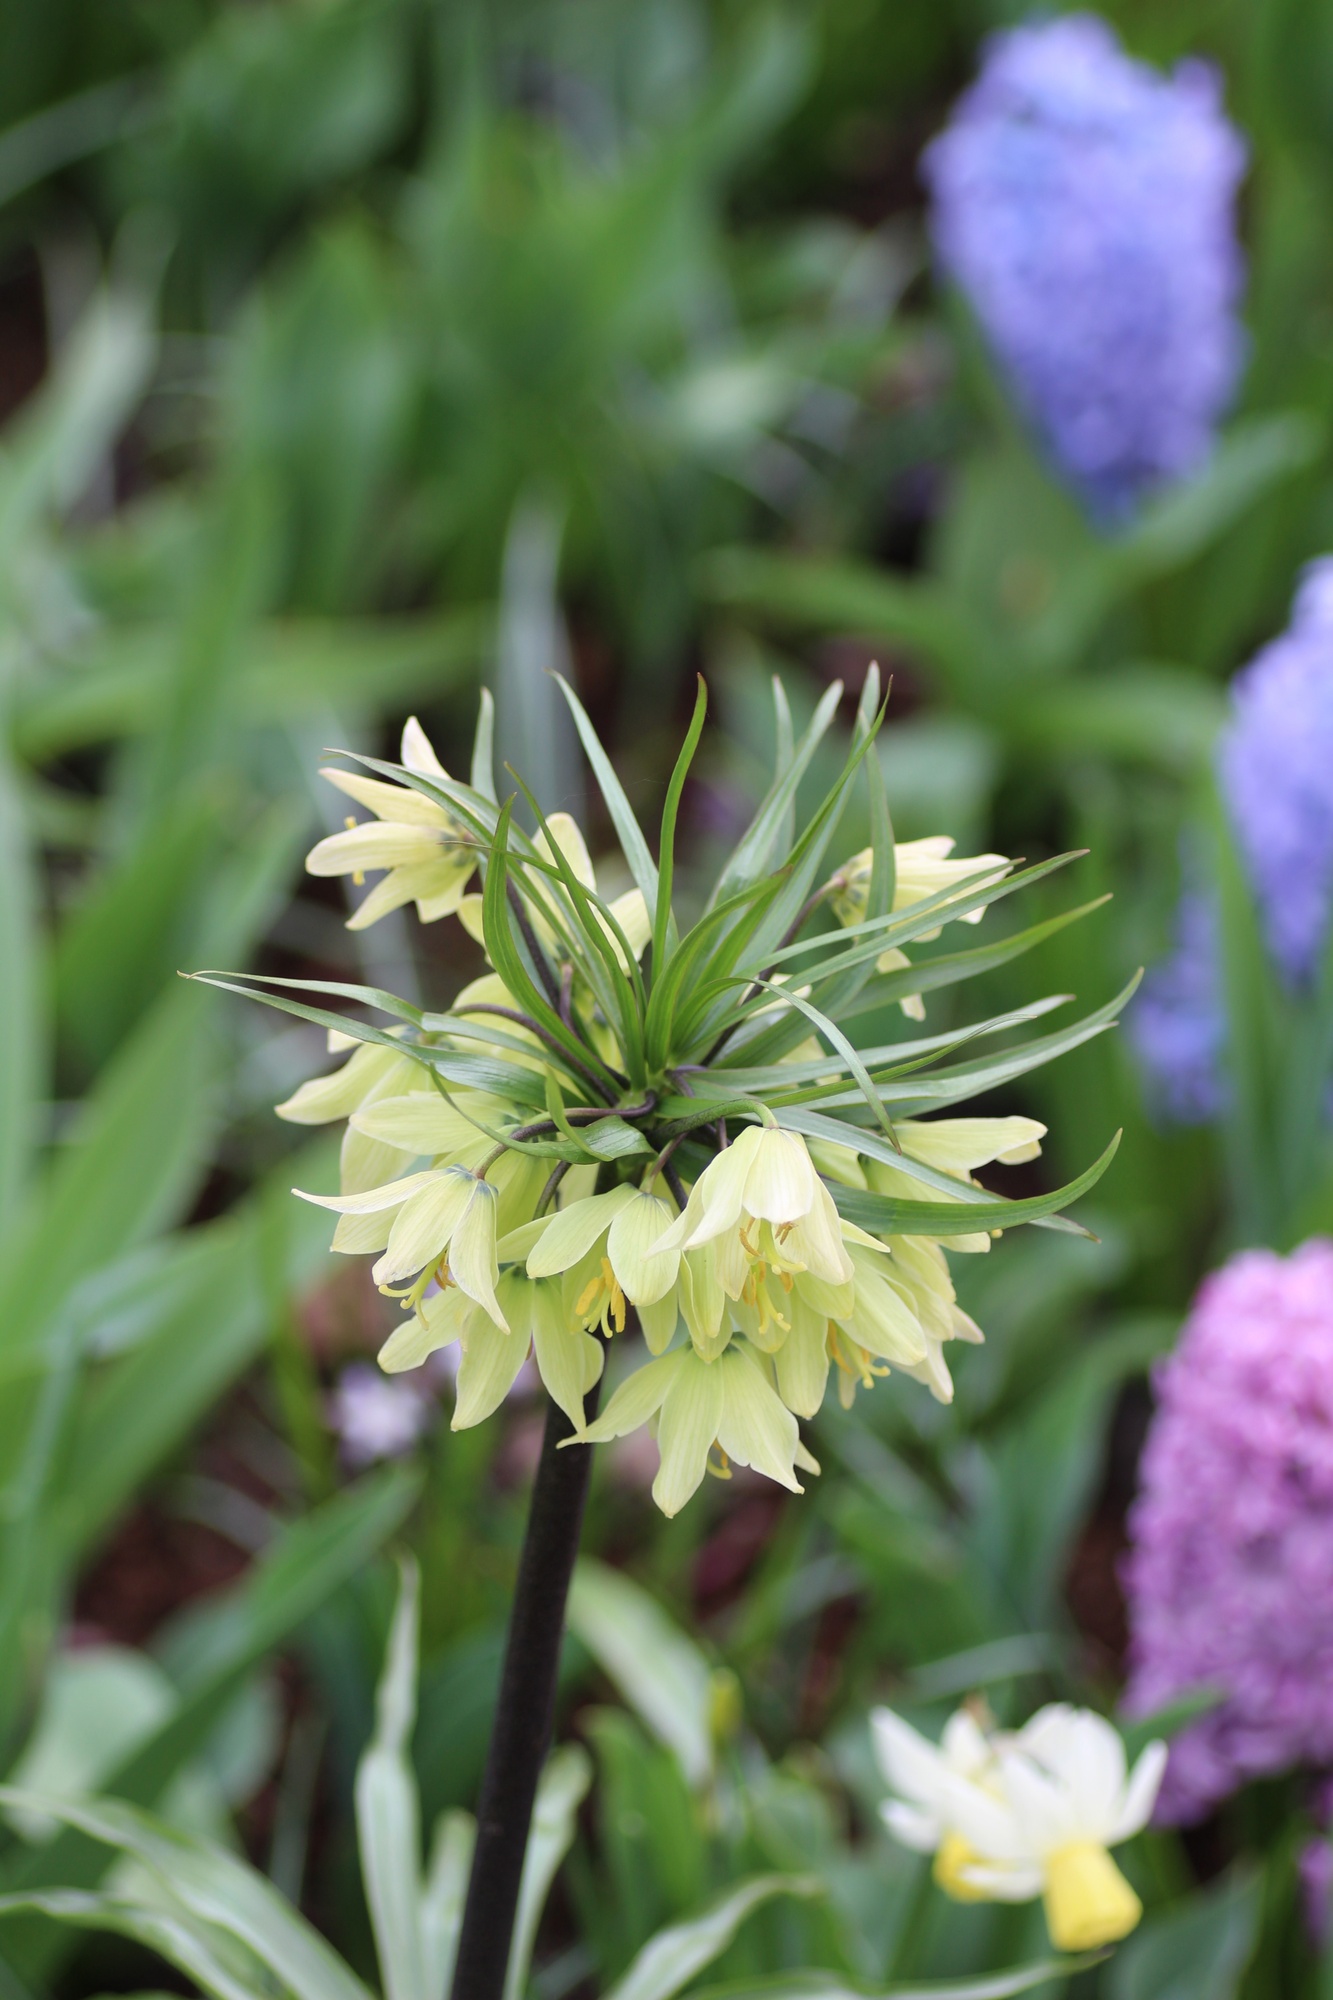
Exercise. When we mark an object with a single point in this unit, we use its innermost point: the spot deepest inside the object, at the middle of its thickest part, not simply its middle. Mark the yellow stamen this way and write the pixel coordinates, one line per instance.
(723, 1469)
(603, 1300)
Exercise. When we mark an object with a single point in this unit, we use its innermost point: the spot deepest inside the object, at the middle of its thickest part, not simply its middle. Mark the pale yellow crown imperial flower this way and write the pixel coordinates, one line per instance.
(728, 1404)
(428, 854)
(370, 1073)
(441, 1224)
(568, 1359)
(1013, 1817)
(923, 868)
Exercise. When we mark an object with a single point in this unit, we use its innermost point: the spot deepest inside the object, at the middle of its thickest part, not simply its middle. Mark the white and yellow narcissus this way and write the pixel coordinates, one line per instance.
(428, 854)
(1013, 1816)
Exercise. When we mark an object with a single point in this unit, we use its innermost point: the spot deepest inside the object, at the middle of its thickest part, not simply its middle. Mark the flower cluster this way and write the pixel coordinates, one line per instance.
(1272, 765)
(623, 1119)
(1085, 206)
(1230, 1576)
(1010, 1816)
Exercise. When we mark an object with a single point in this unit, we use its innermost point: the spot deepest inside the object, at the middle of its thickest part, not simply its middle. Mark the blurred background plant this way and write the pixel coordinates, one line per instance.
(355, 351)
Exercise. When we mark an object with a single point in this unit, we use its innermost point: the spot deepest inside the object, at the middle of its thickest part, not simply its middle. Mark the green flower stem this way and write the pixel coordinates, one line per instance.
(525, 1713)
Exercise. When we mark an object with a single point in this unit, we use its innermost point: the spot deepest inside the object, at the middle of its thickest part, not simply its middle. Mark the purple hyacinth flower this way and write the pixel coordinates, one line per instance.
(1276, 768)
(1085, 206)
(1177, 1023)
(1230, 1573)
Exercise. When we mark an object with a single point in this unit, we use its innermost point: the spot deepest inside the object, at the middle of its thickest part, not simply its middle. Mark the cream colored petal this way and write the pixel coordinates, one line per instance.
(756, 1428)
(469, 916)
(637, 1399)
(437, 1323)
(571, 1234)
(417, 754)
(442, 896)
(424, 1224)
(565, 834)
(781, 1183)
(427, 1123)
(701, 1296)
(631, 913)
(720, 1189)
(687, 1426)
(366, 1163)
(658, 1322)
(473, 1264)
(565, 1354)
(398, 888)
(373, 844)
(344, 1090)
(392, 1195)
(802, 1362)
(363, 1235)
(491, 1359)
(393, 802)
(961, 1145)
(816, 1240)
(645, 1276)
(883, 1324)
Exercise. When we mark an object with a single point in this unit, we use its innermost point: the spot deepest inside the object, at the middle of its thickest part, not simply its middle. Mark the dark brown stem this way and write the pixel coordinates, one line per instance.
(525, 1713)
(535, 952)
(552, 1041)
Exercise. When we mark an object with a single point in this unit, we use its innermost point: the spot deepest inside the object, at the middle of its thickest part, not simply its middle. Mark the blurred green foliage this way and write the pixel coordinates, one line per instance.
(384, 346)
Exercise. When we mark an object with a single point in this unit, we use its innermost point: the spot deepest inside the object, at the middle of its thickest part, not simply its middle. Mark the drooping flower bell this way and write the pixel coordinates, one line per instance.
(626, 1122)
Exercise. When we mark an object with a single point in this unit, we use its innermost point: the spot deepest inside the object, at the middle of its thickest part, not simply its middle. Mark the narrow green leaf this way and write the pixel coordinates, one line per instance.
(658, 1669)
(628, 832)
(669, 1961)
(884, 1216)
(388, 1808)
(562, 1790)
(664, 924)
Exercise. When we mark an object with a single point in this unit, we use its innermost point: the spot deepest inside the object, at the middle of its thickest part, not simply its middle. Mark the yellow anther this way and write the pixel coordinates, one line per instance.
(722, 1470)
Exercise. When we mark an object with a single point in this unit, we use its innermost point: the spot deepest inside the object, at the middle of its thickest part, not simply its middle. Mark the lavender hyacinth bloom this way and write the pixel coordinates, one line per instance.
(1177, 1024)
(1276, 767)
(1230, 1575)
(1084, 204)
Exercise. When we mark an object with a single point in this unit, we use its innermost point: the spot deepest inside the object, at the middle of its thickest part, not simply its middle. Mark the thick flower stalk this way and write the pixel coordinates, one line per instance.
(631, 1122)
(1230, 1575)
(1013, 1815)
(1085, 206)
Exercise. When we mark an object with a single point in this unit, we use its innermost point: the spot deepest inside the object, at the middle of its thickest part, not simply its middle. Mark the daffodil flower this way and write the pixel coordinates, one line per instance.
(1035, 1816)
(428, 854)
(698, 1405)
